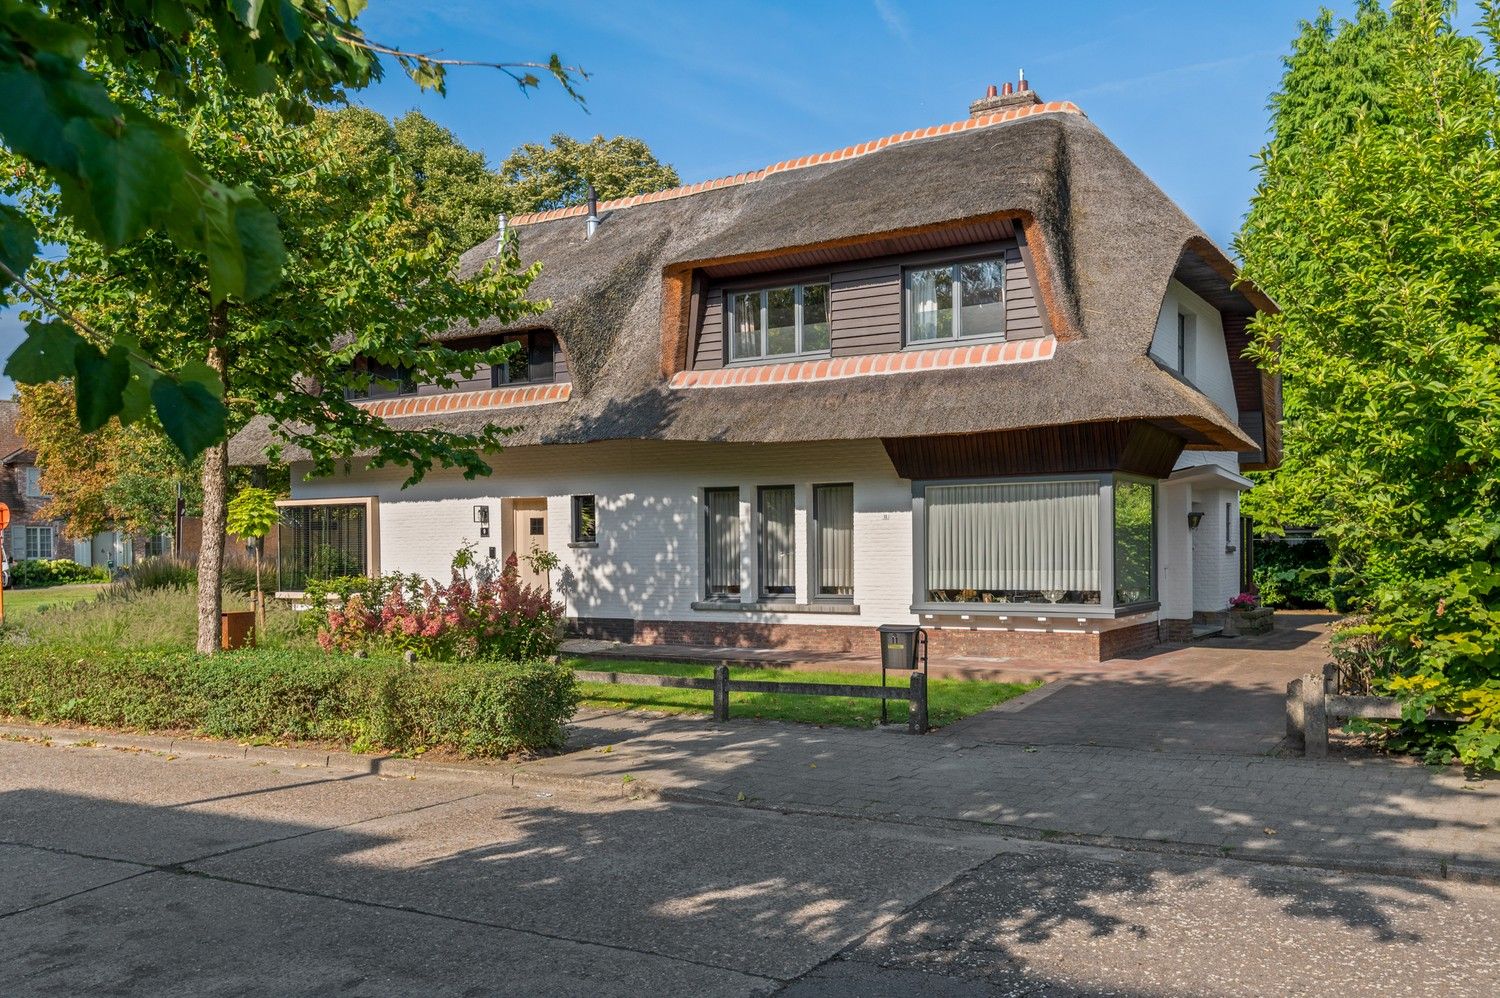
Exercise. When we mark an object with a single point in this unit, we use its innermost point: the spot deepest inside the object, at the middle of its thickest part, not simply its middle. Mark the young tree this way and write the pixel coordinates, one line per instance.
(347, 290)
(122, 170)
(540, 178)
(252, 515)
(1376, 226)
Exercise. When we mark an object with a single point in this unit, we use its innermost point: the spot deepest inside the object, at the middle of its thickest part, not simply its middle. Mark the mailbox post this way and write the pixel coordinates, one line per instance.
(899, 644)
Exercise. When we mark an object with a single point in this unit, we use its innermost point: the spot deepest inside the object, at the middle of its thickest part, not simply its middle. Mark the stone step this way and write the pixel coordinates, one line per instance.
(1202, 631)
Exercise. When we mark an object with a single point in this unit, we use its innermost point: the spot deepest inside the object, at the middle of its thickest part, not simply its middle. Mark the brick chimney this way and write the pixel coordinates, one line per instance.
(1018, 94)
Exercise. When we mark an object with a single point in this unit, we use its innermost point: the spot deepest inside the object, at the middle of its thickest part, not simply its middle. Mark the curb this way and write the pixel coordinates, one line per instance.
(516, 776)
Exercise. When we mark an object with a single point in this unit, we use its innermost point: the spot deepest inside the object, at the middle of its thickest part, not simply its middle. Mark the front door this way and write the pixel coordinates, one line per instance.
(528, 531)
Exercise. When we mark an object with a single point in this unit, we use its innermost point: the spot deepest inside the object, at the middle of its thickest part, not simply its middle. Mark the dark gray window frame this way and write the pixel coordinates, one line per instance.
(707, 528)
(761, 593)
(764, 290)
(576, 528)
(500, 374)
(1107, 607)
(813, 559)
(951, 261)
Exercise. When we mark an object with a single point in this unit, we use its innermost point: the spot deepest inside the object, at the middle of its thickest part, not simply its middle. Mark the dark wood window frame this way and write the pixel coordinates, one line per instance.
(585, 527)
(763, 543)
(537, 373)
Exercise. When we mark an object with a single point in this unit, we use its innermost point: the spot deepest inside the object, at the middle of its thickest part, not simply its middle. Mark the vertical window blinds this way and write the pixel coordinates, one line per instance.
(1032, 537)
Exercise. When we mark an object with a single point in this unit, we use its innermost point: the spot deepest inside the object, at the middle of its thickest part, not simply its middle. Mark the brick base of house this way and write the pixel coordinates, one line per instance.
(1095, 643)
(1176, 631)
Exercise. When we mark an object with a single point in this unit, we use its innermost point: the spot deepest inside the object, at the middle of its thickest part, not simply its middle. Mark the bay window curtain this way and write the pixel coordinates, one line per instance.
(778, 550)
(833, 512)
(721, 542)
(1009, 538)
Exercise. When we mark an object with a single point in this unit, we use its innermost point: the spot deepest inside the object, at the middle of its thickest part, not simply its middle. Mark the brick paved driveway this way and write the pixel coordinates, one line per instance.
(1223, 695)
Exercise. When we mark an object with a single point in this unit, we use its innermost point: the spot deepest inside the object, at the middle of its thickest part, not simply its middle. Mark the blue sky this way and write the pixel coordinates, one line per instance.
(716, 88)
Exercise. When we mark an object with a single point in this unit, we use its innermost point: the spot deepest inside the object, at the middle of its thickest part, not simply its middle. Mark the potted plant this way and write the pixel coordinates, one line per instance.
(251, 516)
(1247, 616)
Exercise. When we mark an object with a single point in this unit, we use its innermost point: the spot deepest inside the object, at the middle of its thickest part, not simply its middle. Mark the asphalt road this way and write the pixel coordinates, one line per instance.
(133, 873)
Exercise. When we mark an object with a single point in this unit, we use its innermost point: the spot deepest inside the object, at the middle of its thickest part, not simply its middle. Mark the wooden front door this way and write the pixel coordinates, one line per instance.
(528, 530)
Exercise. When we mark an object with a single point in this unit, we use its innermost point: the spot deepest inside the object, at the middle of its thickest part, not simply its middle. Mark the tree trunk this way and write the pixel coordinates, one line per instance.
(215, 511)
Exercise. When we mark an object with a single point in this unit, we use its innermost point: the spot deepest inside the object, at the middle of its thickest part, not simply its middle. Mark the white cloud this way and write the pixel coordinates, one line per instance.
(894, 21)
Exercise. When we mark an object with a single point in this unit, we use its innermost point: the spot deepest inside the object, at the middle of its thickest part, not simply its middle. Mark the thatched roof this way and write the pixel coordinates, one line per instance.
(1107, 240)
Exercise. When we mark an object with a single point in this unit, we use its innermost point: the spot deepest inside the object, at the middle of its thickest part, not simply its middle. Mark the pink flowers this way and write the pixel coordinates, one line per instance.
(1245, 601)
(497, 618)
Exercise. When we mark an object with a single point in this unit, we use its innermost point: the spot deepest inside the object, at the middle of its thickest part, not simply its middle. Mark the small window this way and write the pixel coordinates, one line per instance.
(777, 322)
(33, 480)
(386, 380)
(833, 542)
(778, 549)
(1186, 332)
(721, 543)
(38, 543)
(1229, 525)
(585, 520)
(956, 301)
(535, 362)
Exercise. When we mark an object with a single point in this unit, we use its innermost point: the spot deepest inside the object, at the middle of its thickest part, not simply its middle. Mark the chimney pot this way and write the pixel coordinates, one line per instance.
(1006, 96)
(991, 92)
(1008, 90)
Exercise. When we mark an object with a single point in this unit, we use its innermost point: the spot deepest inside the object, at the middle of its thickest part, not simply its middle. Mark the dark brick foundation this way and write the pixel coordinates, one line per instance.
(1176, 631)
(1092, 642)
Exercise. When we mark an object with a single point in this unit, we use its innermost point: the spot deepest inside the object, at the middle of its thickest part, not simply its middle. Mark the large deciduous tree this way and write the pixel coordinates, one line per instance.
(1376, 226)
(123, 169)
(542, 177)
(347, 290)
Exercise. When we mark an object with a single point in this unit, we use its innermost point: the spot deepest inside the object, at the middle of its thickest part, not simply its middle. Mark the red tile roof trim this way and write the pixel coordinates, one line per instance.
(978, 355)
(492, 398)
(817, 159)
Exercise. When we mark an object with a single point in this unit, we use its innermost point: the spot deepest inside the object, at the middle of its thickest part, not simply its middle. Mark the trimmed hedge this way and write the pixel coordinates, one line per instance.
(39, 572)
(488, 709)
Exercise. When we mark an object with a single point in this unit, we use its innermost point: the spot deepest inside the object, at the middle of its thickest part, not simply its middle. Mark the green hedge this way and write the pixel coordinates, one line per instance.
(38, 572)
(366, 704)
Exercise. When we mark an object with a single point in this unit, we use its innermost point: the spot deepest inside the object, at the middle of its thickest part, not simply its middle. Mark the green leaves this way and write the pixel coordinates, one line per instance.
(243, 244)
(47, 354)
(192, 416)
(119, 382)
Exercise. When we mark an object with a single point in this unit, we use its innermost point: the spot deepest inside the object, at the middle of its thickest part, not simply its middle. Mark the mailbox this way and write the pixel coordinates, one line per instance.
(898, 646)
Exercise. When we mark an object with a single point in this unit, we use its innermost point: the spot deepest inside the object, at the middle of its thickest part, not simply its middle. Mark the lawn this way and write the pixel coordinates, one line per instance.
(23, 600)
(948, 700)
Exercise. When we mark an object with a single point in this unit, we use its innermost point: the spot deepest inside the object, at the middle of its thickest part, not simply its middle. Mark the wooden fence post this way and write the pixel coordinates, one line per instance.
(721, 692)
(916, 714)
(1294, 730)
(1314, 716)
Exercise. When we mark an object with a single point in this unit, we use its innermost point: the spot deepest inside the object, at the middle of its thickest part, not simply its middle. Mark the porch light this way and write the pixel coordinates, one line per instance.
(1195, 518)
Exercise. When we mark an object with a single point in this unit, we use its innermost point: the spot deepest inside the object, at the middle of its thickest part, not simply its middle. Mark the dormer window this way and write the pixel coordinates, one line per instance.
(777, 322)
(386, 381)
(533, 363)
(956, 301)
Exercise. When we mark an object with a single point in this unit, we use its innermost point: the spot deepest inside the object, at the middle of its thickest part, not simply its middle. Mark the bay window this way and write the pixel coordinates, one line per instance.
(721, 543)
(955, 301)
(324, 539)
(777, 322)
(1072, 542)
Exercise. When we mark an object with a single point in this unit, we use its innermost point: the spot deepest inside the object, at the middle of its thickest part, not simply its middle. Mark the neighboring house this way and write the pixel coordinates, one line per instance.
(984, 376)
(31, 534)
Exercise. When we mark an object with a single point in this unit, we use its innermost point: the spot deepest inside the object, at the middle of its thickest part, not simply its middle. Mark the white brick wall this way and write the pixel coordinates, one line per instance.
(1216, 570)
(647, 564)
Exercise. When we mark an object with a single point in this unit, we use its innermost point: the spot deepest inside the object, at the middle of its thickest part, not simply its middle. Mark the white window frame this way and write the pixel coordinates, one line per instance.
(32, 482)
(32, 550)
(956, 335)
(731, 323)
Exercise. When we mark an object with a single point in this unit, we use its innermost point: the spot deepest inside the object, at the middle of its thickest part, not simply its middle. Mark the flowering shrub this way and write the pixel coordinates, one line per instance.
(491, 617)
(1245, 601)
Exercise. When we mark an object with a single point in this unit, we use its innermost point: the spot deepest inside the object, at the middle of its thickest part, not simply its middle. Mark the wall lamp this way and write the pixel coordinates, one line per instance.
(1195, 518)
(482, 517)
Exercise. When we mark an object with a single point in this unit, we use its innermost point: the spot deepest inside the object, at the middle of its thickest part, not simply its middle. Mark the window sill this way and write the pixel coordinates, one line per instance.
(583, 544)
(952, 341)
(779, 358)
(1031, 610)
(773, 606)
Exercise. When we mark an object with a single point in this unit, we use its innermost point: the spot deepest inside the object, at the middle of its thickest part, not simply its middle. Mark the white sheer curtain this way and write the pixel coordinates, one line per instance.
(833, 507)
(778, 549)
(1031, 536)
(722, 541)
